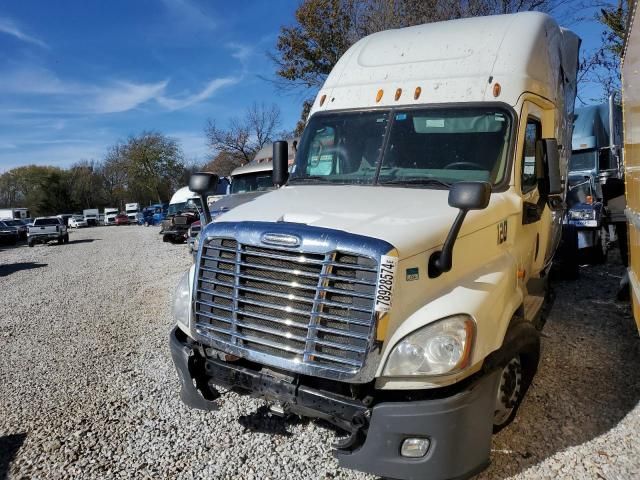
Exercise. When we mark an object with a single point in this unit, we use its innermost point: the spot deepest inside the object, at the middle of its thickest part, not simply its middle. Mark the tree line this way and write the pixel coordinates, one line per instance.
(146, 168)
(149, 167)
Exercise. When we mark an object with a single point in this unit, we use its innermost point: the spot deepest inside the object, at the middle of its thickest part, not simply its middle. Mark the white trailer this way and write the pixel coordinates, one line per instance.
(14, 213)
(394, 285)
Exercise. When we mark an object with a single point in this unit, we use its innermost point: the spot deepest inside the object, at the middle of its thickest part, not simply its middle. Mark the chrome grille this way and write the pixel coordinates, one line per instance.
(304, 308)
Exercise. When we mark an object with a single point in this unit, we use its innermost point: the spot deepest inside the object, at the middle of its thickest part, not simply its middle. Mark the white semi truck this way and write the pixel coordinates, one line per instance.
(396, 284)
(132, 210)
(110, 215)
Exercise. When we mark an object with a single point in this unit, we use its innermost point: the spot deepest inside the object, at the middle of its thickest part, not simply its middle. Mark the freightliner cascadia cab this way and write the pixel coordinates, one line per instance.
(394, 285)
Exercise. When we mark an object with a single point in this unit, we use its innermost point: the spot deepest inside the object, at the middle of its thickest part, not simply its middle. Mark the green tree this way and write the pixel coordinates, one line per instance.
(154, 164)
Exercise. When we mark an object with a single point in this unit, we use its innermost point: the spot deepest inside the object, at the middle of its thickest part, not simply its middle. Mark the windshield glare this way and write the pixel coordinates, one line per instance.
(582, 160)
(252, 182)
(420, 146)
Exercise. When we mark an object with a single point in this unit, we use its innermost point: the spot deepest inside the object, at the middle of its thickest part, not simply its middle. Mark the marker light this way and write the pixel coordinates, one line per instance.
(322, 99)
(379, 95)
(588, 200)
(496, 89)
(416, 94)
(398, 93)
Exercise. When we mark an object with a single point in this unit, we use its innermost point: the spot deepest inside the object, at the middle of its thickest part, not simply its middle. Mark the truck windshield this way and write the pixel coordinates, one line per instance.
(582, 160)
(431, 147)
(193, 204)
(251, 182)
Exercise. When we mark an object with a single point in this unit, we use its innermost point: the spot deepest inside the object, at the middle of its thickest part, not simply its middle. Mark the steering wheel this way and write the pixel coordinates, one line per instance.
(472, 165)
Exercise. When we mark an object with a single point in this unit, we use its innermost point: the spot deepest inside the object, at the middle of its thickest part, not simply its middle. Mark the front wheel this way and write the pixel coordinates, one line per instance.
(30, 243)
(509, 394)
(66, 238)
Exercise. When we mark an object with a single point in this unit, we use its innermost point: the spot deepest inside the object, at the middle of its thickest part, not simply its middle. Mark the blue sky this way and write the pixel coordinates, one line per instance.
(77, 76)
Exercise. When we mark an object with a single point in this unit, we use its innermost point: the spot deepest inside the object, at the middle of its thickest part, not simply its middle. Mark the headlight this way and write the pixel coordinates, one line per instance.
(182, 301)
(582, 214)
(438, 348)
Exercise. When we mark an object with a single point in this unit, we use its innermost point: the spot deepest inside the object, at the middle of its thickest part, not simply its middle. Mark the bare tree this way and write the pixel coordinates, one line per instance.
(245, 136)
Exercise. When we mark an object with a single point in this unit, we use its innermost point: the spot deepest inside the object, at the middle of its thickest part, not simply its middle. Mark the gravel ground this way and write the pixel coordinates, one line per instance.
(88, 390)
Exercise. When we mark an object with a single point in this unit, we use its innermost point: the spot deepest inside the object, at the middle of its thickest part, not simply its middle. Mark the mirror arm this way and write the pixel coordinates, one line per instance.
(205, 208)
(441, 261)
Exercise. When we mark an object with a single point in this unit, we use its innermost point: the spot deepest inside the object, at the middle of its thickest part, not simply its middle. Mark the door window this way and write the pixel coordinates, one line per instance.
(532, 134)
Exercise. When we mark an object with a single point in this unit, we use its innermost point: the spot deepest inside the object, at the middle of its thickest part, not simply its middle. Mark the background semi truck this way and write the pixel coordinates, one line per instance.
(596, 180)
(110, 216)
(132, 209)
(395, 284)
(91, 216)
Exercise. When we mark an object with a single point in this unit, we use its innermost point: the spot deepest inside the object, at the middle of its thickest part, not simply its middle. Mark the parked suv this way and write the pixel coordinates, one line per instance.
(8, 234)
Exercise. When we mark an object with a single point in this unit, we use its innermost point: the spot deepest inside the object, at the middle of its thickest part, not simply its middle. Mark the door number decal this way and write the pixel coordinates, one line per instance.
(502, 232)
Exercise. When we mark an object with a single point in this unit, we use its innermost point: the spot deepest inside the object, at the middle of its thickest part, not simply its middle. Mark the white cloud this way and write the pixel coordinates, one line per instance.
(212, 87)
(190, 14)
(9, 27)
(126, 96)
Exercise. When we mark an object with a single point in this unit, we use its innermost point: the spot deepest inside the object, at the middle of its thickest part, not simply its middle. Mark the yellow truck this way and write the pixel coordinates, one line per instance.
(631, 119)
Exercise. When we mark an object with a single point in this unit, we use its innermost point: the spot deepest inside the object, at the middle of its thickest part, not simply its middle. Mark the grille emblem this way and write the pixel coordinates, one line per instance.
(281, 239)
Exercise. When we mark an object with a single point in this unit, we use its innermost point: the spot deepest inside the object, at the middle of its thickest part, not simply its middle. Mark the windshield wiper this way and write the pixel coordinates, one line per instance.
(312, 178)
(416, 181)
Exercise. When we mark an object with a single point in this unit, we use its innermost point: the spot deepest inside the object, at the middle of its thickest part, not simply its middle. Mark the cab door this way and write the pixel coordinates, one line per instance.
(536, 224)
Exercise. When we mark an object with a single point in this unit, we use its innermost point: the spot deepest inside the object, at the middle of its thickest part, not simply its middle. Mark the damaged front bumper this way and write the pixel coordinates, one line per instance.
(457, 423)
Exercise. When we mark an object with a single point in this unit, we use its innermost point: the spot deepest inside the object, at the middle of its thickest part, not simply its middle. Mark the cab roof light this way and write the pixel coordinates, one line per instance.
(398, 93)
(416, 94)
(322, 99)
(379, 95)
(496, 89)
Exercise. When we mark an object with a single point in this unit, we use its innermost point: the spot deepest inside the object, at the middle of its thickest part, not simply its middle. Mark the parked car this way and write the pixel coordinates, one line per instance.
(19, 225)
(8, 234)
(122, 219)
(78, 222)
(65, 217)
(46, 229)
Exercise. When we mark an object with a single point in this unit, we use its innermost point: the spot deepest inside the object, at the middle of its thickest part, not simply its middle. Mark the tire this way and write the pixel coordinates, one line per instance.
(623, 242)
(517, 361)
(60, 240)
(165, 238)
(66, 238)
(566, 257)
(30, 243)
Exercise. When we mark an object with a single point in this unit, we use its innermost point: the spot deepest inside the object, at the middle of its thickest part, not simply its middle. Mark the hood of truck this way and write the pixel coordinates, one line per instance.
(411, 219)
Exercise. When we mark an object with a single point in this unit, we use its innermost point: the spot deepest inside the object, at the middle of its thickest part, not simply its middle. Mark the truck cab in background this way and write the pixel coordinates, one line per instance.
(595, 196)
(110, 215)
(91, 216)
(15, 213)
(396, 283)
(132, 210)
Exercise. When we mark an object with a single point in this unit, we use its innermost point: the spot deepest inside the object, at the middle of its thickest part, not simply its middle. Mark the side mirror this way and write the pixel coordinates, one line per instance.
(470, 195)
(548, 169)
(203, 183)
(280, 163)
(465, 196)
